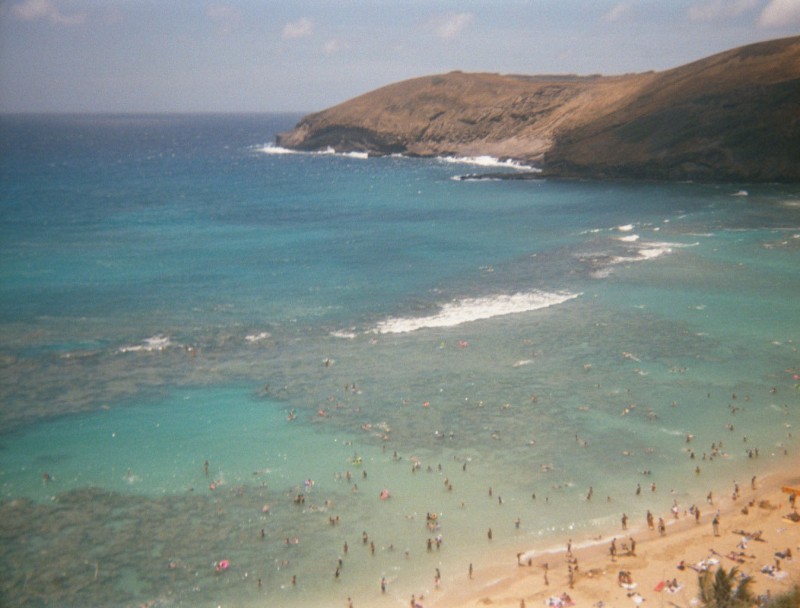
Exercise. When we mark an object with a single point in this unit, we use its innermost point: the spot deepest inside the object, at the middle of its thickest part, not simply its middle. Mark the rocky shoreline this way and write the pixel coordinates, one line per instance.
(728, 117)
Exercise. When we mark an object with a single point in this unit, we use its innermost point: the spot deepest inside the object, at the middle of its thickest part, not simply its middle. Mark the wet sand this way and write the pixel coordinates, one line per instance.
(514, 579)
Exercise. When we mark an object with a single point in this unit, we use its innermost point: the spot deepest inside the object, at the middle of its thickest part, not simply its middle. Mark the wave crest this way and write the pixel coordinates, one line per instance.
(475, 309)
(486, 161)
(155, 343)
(277, 150)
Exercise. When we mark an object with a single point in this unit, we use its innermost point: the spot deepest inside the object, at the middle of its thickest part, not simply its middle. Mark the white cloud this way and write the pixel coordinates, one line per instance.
(453, 25)
(302, 28)
(720, 9)
(225, 16)
(619, 11)
(45, 10)
(334, 45)
(781, 13)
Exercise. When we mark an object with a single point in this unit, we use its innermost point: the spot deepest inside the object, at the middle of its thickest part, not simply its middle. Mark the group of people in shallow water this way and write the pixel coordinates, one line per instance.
(433, 524)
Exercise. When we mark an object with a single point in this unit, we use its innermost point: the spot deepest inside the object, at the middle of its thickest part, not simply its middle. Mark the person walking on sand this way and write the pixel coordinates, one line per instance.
(715, 524)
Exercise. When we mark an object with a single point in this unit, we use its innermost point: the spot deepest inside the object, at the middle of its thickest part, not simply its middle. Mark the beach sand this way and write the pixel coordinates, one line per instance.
(515, 579)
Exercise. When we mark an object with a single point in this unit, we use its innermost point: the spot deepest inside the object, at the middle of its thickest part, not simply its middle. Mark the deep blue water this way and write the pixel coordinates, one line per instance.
(172, 289)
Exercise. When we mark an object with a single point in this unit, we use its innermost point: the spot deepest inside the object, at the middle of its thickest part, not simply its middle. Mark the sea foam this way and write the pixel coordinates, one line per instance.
(273, 149)
(263, 335)
(151, 344)
(329, 151)
(638, 251)
(651, 250)
(486, 161)
(475, 309)
(481, 161)
(345, 335)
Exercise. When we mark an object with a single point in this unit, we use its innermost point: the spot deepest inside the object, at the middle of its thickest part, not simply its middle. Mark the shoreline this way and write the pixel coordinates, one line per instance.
(656, 557)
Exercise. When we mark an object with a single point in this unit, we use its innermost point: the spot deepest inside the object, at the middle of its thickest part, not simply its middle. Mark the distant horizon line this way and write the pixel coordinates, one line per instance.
(150, 112)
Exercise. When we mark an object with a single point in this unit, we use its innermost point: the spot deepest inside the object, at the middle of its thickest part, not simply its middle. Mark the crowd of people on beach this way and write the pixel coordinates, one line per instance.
(617, 549)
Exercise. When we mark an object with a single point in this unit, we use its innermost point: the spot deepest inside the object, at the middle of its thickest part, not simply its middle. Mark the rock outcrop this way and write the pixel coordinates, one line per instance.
(732, 116)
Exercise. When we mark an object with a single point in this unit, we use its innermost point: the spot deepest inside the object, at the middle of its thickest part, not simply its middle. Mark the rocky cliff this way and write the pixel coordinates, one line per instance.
(731, 116)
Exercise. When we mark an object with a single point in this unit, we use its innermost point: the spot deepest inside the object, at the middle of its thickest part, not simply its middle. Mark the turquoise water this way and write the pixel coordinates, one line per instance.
(174, 292)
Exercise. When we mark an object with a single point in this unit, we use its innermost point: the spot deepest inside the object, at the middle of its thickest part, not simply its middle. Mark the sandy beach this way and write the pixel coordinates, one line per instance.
(663, 569)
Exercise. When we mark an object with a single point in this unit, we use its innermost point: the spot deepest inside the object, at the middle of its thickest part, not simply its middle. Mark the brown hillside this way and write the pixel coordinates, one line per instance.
(464, 114)
(735, 115)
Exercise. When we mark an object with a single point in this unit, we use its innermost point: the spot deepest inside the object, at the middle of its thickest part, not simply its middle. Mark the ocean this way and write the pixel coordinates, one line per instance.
(233, 375)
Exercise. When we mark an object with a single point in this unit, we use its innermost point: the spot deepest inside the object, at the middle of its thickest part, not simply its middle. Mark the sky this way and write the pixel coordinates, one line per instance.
(133, 56)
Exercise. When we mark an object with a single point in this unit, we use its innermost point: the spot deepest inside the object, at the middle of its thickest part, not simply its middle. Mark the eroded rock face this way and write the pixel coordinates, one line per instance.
(462, 114)
(732, 116)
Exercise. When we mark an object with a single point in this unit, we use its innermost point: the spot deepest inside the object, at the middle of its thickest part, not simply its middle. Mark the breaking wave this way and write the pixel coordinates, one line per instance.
(273, 149)
(486, 161)
(152, 344)
(263, 335)
(475, 309)
(636, 251)
(480, 161)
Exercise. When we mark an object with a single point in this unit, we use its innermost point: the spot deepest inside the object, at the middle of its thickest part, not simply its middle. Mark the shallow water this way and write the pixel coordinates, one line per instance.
(172, 294)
